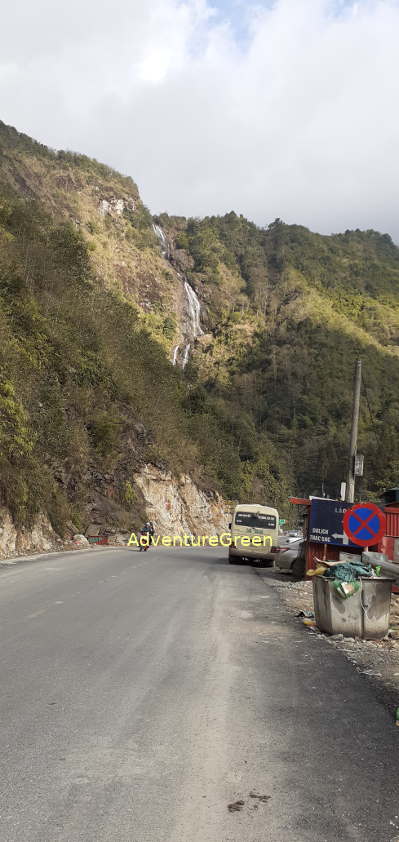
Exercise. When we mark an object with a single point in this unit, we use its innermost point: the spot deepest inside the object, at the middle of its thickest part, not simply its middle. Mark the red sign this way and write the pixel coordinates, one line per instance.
(364, 524)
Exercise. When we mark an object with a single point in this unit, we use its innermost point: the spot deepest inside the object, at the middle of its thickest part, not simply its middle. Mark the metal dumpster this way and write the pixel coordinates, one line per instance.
(365, 614)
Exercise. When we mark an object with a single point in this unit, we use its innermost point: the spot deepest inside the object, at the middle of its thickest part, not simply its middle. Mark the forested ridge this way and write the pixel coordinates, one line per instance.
(89, 315)
(290, 313)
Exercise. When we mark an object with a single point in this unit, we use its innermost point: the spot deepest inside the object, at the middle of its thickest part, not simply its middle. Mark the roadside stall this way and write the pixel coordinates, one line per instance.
(390, 542)
(323, 529)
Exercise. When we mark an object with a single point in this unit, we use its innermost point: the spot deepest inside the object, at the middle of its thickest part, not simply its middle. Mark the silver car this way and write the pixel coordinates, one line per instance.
(289, 555)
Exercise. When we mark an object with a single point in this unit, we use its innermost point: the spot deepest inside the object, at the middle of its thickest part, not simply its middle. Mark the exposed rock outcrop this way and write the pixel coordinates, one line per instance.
(13, 541)
(80, 541)
(177, 505)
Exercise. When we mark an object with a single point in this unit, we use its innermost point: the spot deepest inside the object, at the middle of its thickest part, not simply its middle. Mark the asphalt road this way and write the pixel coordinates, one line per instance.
(141, 694)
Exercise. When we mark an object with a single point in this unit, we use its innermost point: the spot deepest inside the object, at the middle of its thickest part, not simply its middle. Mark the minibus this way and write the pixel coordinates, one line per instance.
(254, 533)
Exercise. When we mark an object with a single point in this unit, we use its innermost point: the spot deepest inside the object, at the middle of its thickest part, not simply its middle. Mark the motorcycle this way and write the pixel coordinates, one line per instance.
(144, 542)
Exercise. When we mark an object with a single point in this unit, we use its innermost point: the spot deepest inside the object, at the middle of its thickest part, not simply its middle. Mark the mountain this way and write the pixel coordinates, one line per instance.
(288, 313)
(98, 298)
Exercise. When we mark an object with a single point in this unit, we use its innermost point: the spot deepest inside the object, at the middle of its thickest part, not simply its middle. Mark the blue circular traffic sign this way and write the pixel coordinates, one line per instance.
(364, 524)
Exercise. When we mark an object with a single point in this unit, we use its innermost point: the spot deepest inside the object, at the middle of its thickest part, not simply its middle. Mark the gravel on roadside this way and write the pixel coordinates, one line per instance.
(376, 659)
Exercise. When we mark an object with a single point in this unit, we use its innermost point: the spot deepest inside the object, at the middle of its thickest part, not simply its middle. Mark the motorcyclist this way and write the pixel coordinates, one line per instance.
(146, 533)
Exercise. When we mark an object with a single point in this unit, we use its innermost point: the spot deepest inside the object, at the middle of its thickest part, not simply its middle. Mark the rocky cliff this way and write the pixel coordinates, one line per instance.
(14, 541)
(174, 504)
(177, 506)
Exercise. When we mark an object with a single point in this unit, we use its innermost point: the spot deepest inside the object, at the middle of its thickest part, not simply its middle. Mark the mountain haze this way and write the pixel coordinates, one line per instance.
(94, 307)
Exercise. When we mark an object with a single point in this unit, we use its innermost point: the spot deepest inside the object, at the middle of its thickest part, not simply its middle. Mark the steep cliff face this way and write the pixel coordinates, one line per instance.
(176, 505)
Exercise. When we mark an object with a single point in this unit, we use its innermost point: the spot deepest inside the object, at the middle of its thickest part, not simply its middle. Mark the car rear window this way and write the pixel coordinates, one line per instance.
(256, 521)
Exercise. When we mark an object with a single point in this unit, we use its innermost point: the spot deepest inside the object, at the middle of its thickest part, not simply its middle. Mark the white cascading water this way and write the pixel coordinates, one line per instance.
(161, 236)
(185, 355)
(194, 308)
(193, 304)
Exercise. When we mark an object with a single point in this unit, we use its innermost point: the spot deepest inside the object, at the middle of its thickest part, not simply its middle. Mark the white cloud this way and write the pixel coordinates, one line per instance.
(297, 120)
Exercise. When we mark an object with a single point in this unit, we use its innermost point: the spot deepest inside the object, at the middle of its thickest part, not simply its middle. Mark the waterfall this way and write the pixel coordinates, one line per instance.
(159, 233)
(194, 309)
(185, 355)
(161, 236)
(192, 327)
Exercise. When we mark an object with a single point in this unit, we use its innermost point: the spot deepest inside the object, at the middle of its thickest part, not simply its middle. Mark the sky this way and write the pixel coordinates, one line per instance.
(274, 108)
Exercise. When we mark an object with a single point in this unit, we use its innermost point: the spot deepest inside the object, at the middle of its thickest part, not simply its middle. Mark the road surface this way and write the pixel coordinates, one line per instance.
(142, 694)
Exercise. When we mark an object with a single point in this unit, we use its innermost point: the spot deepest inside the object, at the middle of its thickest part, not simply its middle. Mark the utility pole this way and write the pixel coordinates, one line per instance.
(350, 486)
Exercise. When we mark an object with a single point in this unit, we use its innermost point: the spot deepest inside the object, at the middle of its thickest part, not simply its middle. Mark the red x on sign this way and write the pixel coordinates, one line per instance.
(364, 524)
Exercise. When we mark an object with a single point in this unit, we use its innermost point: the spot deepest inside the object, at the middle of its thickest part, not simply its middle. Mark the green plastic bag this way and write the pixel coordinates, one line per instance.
(346, 589)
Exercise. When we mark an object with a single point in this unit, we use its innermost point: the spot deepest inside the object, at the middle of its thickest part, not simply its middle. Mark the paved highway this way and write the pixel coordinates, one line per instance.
(142, 694)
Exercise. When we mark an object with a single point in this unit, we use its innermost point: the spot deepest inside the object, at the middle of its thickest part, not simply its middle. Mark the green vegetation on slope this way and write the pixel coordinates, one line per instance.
(84, 389)
(289, 312)
(89, 312)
